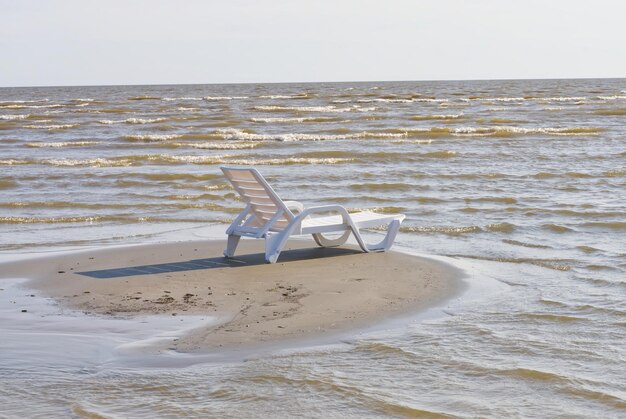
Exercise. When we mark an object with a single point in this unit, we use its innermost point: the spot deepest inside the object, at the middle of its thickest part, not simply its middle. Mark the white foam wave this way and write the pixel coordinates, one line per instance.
(300, 96)
(99, 162)
(12, 162)
(13, 117)
(21, 106)
(275, 120)
(402, 100)
(169, 99)
(439, 116)
(63, 144)
(563, 99)
(224, 97)
(219, 146)
(289, 160)
(412, 141)
(291, 120)
(499, 130)
(330, 108)
(52, 127)
(614, 97)
(494, 99)
(235, 134)
(152, 137)
(384, 100)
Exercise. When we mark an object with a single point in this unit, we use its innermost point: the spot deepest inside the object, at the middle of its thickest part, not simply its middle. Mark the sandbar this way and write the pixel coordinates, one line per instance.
(309, 292)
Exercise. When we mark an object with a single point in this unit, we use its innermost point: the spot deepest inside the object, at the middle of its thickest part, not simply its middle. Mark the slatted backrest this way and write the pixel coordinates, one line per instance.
(264, 203)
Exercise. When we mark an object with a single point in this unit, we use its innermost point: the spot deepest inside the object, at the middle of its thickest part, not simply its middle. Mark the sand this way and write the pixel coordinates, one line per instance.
(309, 292)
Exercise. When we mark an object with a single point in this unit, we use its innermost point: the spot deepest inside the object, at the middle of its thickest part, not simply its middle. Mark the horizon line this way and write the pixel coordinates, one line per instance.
(310, 82)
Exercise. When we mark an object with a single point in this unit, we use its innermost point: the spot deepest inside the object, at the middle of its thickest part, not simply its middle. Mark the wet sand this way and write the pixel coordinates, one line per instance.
(309, 292)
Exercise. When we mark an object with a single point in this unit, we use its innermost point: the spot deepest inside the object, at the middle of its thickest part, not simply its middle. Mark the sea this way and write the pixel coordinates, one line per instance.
(520, 183)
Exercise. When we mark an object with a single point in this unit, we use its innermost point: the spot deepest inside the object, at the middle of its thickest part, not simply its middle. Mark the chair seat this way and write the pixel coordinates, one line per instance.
(362, 219)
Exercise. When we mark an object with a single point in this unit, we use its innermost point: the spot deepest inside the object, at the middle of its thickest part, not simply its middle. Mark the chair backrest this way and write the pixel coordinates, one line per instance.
(263, 202)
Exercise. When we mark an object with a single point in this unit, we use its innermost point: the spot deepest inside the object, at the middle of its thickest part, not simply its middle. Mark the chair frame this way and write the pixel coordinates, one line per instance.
(269, 217)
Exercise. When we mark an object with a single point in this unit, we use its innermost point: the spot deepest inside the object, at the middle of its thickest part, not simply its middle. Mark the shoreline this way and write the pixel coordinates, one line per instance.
(310, 294)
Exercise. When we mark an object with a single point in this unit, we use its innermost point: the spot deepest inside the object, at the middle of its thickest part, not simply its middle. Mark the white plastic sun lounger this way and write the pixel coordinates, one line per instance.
(267, 216)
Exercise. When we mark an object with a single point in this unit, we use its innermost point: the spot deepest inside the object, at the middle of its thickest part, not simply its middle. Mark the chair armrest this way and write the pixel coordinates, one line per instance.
(294, 206)
(324, 208)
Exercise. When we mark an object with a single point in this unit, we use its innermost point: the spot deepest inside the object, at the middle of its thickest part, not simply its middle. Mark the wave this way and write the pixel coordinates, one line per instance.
(498, 199)
(436, 117)
(613, 97)
(507, 121)
(329, 108)
(147, 138)
(54, 127)
(13, 102)
(554, 264)
(563, 99)
(396, 99)
(614, 173)
(132, 121)
(144, 98)
(236, 134)
(112, 218)
(296, 120)
(62, 144)
(451, 231)
(15, 162)
(504, 131)
(557, 228)
(58, 220)
(501, 227)
(165, 159)
(171, 99)
(7, 184)
(525, 244)
(550, 317)
(14, 117)
(611, 112)
(116, 110)
(218, 146)
(493, 99)
(224, 97)
(177, 176)
(382, 186)
(615, 225)
(21, 106)
(382, 210)
(298, 96)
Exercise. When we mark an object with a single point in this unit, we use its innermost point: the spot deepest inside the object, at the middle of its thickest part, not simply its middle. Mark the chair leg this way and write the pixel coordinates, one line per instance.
(231, 245)
(274, 243)
(324, 242)
(385, 244)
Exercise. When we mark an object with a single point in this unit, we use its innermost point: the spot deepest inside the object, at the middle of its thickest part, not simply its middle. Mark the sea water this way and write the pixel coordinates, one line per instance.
(519, 182)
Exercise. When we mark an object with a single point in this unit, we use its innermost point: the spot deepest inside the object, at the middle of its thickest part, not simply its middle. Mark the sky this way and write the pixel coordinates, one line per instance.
(112, 42)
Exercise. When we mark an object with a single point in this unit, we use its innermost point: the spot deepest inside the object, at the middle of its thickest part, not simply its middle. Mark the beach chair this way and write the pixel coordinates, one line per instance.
(269, 217)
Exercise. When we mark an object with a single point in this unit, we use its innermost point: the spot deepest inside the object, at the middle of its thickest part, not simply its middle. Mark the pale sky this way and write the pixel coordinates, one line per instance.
(96, 42)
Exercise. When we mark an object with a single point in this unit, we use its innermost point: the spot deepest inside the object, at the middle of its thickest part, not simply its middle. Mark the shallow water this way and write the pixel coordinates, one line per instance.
(522, 182)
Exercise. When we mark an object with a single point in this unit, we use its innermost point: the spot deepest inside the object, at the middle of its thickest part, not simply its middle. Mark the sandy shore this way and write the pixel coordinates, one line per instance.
(309, 292)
